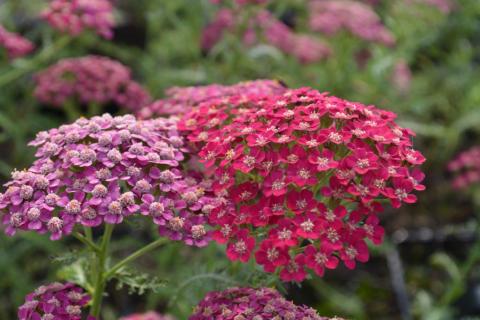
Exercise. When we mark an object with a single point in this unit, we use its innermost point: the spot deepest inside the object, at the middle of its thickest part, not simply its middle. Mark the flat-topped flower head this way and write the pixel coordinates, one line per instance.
(90, 79)
(180, 100)
(55, 301)
(252, 304)
(466, 167)
(75, 16)
(151, 315)
(15, 46)
(103, 170)
(303, 173)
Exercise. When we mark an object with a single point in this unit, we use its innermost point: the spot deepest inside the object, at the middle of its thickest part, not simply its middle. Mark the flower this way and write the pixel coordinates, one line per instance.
(15, 45)
(466, 167)
(180, 100)
(304, 176)
(331, 16)
(103, 170)
(250, 303)
(90, 79)
(55, 301)
(151, 315)
(74, 16)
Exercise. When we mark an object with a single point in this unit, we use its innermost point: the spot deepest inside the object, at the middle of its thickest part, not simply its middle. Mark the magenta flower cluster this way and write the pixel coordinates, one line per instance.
(466, 166)
(304, 173)
(251, 304)
(103, 170)
(90, 79)
(14, 45)
(180, 100)
(55, 301)
(151, 315)
(331, 16)
(305, 48)
(74, 16)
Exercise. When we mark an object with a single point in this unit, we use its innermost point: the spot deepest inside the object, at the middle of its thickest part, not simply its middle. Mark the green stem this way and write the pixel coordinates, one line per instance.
(100, 281)
(135, 255)
(86, 241)
(32, 64)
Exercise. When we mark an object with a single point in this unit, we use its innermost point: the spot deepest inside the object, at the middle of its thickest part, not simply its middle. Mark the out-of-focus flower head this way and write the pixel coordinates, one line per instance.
(15, 45)
(467, 168)
(254, 304)
(304, 173)
(401, 76)
(331, 16)
(75, 16)
(151, 315)
(90, 79)
(180, 100)
(104, 169)
(305, 48)
(64, 301)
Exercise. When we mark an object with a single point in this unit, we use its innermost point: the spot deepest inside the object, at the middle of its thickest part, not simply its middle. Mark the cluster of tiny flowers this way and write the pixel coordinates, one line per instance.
(90, 79)
(251, 304)
(103, 170)
(331, 16)
(302, 173)
(55, 301)
(180, 100)
(14, 45)
(151, 315)
(74, 16)
(305, 48)
(467, 167)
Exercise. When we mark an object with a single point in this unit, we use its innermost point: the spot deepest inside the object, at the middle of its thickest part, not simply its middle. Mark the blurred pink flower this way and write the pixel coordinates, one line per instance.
(14, 44)
(401, 76)
(466, 166)
(151, 315)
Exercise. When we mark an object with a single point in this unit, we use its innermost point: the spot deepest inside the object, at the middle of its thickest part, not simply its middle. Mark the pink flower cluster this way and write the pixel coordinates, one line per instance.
(467, 167)
(252, 304)
(152, 315)
(181, 99)
(74, 16)
(90, 79)
(103, 170)
(304, 173)
(55, 301)
(305, 48)
(14, 44)
(331, 16)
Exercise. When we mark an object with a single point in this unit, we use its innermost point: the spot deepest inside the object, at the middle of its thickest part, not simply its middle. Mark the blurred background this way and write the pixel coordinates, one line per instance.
(418, 58)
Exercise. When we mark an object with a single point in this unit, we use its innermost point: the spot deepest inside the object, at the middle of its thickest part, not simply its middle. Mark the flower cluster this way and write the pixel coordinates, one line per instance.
(252, 304)
(74, 16)
(467, 167)
(152, 315)
(103, 170)
(90, 79)
(181, 99)
(14, 44)
(303, 173)
(305, 48)
(55, 301)
(332, 16)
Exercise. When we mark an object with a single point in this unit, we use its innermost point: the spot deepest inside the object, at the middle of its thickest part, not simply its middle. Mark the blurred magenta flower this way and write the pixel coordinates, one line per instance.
(90, 79)
(250, 303)
(14, 45)
(401, 76)
(304, 173)
(332, 16)
(467, 168)
(104, 169)
(54, 301)
(180, 100)
(151, 315)
(74, 16)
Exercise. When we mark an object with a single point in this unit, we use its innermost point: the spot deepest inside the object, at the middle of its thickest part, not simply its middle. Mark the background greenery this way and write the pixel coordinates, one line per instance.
(427, 267)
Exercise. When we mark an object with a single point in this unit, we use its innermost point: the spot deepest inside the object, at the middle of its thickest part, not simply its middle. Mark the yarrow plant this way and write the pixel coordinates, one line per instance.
(179, 100)
(75, 16)
(90, 80)
(15, 46)
(252, 304)
(304, 173)
(466, 166)
(54, 301)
